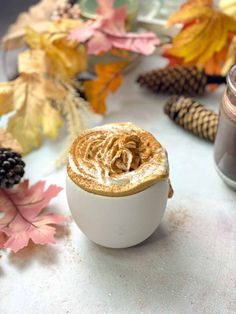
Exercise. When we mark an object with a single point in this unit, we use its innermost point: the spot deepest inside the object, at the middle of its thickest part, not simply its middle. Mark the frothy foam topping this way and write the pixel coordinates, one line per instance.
(116, 159)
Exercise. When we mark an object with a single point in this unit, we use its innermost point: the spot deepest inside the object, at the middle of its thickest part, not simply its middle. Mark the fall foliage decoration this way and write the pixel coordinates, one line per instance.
(41, 103)
(66, 59)
(8, 141)
(30, 96)
(109, 31)
(24, 218)
(192, 116)
(206, 31)
(180, 80)
(109, 78)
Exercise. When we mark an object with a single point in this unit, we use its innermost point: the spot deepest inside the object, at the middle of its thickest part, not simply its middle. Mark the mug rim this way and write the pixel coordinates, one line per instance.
(116, 196)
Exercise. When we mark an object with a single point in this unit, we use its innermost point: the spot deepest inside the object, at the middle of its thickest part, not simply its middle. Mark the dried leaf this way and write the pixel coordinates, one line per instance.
(109, 78)
(67, 58)
(40, 102)
(38, 17)
(33, 61)
(30, 95)
(6, 96)
(24, 218)
(8, 141)
(206, 32)
(35, 116)
(108, 31)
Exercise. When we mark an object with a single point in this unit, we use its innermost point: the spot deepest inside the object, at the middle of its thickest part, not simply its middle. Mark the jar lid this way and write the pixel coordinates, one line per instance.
(231, 79)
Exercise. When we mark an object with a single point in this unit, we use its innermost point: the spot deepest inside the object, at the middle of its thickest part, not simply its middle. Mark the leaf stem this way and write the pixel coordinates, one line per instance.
(17, 211)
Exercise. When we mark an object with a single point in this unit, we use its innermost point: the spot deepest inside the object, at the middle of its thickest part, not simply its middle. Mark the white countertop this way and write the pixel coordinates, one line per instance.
(187, 266)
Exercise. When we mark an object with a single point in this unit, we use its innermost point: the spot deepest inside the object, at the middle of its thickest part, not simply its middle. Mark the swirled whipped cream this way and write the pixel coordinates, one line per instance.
(116, 160)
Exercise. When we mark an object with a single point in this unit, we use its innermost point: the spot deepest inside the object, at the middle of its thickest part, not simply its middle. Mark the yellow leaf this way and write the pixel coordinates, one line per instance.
(67, 58)
(228, 7)
(38, 16)
(205, 32)
(35, 117)
(188, 13)
(40, 103)
(8, 141)
(64, 26)
(214, 65)
(109, 78)
(6, 97)
(33, 61)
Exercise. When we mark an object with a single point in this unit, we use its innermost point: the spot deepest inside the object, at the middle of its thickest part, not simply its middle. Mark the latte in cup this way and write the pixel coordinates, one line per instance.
(117, 184)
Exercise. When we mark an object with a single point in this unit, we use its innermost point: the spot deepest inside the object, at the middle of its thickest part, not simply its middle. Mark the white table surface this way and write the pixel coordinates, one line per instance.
(187, 266)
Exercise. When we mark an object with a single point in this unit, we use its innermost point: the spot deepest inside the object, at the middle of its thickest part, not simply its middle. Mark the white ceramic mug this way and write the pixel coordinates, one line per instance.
(118, 222)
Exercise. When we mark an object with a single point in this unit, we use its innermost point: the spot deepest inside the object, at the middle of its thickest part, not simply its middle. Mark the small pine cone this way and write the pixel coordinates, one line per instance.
(179, 80)
(192, 116)
(11, 168)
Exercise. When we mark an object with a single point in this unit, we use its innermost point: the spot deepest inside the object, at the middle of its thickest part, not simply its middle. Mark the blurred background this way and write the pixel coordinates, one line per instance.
(148, 9)
(10, 10)
(152, 15)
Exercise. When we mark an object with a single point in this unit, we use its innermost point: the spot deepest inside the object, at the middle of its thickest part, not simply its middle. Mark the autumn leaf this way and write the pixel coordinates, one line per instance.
(108, 31)
(67, 58)
(214, 65)
(8, 141)
(23, 216)
(30, 95)
(109, 78)
(35, 116)
(33, 61)
(38, 17)
(40, 103)
(205, 32)
(2, 240)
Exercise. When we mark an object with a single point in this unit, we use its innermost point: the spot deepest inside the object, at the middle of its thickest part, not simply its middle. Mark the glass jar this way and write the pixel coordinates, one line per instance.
(225, 143)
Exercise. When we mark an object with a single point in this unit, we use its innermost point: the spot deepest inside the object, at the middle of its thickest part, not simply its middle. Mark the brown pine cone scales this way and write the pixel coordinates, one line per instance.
(180, 80)
(192, 116)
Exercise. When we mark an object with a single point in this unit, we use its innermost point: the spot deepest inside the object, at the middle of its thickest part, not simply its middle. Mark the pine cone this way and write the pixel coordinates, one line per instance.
(11, 168)
(65, 9)
(193, 116)
(180, 80)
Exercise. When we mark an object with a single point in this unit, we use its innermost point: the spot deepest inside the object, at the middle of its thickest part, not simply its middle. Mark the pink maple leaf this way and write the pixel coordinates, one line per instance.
(24, 218)
(108, 31)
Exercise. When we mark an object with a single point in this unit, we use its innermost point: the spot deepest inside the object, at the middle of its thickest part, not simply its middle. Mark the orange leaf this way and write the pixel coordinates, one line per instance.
(109, 78)
(214, 65)
(205, 32)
